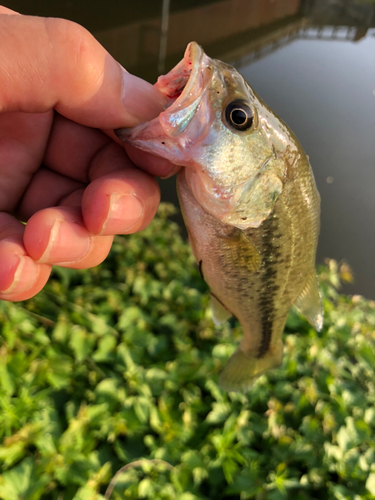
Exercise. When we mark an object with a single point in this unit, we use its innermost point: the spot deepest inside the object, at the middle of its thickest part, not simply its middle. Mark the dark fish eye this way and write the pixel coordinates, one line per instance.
(239, 115)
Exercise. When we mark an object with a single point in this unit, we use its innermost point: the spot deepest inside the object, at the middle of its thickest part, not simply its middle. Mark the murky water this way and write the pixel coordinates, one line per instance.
(312, 61)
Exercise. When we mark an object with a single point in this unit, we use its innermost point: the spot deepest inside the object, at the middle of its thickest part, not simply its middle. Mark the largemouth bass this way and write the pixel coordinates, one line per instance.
(249, 201)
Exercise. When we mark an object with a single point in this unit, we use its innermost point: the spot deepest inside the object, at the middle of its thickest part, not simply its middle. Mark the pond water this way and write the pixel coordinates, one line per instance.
(312, 61)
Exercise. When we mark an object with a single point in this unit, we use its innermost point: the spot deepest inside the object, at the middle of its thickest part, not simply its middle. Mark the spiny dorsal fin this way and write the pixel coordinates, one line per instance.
(219, 312)
(309, 302)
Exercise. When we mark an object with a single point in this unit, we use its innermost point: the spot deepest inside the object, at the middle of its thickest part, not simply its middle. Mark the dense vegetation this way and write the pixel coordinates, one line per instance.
(118, 366)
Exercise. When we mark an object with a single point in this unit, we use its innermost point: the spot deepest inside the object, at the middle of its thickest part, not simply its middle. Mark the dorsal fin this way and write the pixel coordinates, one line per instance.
(309, 302)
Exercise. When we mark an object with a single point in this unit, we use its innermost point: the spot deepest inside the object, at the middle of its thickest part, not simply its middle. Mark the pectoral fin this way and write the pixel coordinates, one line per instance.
(245, 252)
(241, 370)
(309, 302)
(254, 260)
(219, 312)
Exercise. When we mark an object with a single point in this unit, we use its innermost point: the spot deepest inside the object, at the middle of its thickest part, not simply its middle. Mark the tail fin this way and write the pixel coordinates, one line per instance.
(241, 370)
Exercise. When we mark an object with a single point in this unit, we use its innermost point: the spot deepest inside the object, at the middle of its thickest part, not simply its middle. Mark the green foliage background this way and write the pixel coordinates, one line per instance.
(119, 365)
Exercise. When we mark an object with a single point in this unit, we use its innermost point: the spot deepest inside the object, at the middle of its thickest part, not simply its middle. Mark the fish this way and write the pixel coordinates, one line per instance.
(249, 201)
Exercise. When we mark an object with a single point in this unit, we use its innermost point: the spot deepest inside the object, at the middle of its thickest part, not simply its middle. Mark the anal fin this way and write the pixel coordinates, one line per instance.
(309, 302)
(219, 312)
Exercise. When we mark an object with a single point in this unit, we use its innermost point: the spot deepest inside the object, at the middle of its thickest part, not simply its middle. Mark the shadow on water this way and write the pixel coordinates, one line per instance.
(312, 61)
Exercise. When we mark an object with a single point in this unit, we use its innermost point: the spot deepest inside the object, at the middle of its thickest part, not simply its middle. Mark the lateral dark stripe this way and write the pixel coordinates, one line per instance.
(269, 288)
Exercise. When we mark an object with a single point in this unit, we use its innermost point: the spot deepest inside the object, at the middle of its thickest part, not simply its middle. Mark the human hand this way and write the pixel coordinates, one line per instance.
(62, 170)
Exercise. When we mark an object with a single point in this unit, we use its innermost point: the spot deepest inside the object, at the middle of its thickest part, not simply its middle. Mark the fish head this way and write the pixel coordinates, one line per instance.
(233, 146)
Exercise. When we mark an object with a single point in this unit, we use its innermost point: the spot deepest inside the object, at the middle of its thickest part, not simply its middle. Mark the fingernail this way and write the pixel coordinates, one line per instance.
(10, 273)
(21, 273)
(67, 243)
(171, 173)
(141, 99)
(124, 213)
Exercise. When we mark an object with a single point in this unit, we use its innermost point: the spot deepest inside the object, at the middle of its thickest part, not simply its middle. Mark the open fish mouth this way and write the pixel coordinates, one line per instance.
(184, 86)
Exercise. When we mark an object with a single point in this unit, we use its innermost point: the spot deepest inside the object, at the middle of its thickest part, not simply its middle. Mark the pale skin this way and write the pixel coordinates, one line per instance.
(62, 170)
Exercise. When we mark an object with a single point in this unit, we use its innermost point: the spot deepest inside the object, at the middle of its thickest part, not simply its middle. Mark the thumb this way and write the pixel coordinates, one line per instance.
(49, 63)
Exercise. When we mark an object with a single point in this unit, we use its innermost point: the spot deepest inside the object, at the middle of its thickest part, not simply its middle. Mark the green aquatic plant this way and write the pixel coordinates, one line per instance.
(117, 368)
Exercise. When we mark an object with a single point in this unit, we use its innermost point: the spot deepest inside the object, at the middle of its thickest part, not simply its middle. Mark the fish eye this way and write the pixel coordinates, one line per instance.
(239, 115)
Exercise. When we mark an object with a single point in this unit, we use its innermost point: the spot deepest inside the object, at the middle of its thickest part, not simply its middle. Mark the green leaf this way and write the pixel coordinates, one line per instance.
(145, 488)
(219, 413)
(81, 343)
(106, 348)
(22, 483)
(370, 483)
(142, 409)
(6, 382)
(343, 438)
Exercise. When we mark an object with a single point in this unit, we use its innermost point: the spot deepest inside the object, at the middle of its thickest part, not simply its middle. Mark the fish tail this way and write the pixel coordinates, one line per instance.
(241, 371)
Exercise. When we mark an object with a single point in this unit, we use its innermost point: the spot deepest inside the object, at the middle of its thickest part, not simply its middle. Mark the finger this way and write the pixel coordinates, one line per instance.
(113, 204)
(97, 156)
(5, 10)
(154, 165)
(120, 203)
(58, 236)
(46, 189)
(54, 63)
(73, 199)
(23, 140)
(73, 150)
(20, 277)
(76, 151)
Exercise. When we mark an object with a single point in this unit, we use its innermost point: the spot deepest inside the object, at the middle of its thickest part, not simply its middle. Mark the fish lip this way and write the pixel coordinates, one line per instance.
(191, 76)
(194, 71)
(190, 63)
